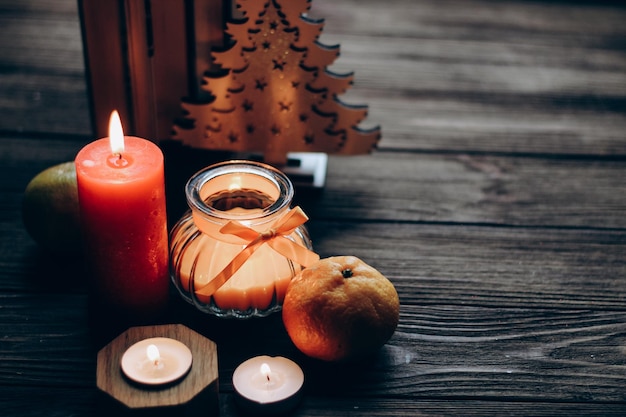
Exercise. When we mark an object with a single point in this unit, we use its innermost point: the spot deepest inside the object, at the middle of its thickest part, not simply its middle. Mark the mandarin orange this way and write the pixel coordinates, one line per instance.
(340, 309)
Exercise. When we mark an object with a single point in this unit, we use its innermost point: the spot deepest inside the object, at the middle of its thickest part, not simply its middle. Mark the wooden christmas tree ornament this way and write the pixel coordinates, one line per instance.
(274, 94)
(191, 392)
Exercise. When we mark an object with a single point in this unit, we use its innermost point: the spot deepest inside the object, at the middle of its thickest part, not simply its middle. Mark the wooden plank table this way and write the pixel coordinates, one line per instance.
(495, 203)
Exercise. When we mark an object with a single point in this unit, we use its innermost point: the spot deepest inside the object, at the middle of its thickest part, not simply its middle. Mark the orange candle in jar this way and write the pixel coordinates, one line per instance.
(235, 252)
(264, 277)
(121, 193)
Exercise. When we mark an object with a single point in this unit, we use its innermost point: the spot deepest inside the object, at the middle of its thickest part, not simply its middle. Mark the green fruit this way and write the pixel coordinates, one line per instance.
(50, 210)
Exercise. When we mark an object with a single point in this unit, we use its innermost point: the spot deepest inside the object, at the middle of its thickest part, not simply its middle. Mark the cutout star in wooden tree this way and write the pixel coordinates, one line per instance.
(275, 94)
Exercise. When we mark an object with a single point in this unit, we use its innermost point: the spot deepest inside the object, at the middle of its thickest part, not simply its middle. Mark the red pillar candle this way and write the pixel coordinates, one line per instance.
(121, 192)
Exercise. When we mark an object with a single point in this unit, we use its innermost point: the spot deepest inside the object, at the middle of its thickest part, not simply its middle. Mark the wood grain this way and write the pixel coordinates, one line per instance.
(466, 80)
(76, 402)
(475, 189)
(495, 204)
(437, 352)
(438, 188)
(42, 79)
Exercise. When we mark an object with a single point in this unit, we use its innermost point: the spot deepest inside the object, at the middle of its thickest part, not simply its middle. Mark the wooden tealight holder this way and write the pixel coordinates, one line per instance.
(195, 394)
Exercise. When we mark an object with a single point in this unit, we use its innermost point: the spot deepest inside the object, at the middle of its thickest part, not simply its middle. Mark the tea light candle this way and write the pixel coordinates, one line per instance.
(121, 193)
(268, 384)
(156, 361)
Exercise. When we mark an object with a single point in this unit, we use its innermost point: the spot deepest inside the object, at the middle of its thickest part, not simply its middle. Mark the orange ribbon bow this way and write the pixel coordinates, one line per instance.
(275, 237)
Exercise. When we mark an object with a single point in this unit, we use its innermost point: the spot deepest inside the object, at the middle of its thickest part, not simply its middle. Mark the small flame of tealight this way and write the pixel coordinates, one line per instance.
(116, 134)
(153, 354)
(266, 371)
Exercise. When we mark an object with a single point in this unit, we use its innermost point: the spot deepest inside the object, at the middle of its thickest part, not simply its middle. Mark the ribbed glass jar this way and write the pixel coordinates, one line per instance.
(255, 195)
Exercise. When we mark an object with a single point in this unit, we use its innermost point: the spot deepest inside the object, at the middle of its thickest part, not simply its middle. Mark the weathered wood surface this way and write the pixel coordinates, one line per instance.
(495, 204)
(506, 76)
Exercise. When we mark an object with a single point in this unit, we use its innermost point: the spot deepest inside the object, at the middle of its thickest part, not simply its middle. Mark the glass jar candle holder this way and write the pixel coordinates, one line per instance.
(222, 258)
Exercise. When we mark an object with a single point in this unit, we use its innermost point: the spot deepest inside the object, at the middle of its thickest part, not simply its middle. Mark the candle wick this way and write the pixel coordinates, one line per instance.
(119, 155)
(268, 378)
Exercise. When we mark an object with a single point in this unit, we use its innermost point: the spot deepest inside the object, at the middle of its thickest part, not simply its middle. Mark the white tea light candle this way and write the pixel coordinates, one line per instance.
(156, 361)
(268, 385)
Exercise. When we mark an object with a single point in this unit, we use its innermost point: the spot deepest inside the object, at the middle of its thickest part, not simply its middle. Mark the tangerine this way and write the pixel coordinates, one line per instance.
(340, 309)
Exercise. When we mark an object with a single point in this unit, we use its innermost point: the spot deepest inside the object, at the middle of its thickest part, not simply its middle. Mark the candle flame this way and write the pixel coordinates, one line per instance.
(153, 353)
(266, 371)
(116, 134)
